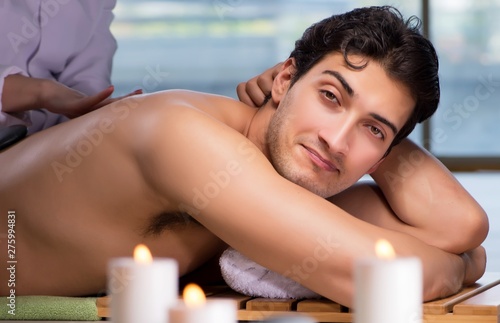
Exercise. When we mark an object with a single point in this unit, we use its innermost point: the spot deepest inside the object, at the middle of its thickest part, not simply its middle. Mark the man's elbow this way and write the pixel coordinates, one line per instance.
(471, 232)
(482, 227)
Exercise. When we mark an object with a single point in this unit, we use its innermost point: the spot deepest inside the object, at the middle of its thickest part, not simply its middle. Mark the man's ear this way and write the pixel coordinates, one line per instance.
(281, 82)
(374, 167)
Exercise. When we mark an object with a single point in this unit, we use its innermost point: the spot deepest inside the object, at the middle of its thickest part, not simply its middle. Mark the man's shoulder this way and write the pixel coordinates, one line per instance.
(175, 106)
(179, 145)
(178, 120)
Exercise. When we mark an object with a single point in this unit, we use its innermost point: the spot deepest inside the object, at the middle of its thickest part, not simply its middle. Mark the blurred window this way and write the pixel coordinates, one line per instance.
(213, 45)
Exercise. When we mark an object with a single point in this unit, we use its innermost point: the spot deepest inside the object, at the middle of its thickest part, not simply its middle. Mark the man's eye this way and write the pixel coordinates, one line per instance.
(330, 96)
(376, 131)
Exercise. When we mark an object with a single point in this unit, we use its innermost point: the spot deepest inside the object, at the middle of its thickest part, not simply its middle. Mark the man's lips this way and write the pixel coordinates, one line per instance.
(320, 161)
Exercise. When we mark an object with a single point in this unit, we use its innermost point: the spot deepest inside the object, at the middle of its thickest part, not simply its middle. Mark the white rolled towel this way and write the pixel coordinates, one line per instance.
(249, 278)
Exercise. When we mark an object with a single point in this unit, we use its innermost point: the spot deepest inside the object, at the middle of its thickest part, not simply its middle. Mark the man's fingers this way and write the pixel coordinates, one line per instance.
(241, 91)
(255, 92)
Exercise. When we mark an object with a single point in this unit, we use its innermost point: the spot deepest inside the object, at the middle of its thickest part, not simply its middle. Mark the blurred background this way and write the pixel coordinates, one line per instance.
(212, 45)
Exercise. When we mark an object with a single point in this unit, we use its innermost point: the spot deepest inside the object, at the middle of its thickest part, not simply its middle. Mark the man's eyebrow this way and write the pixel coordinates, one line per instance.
(385, 121)
(350, 92)
(342, 81)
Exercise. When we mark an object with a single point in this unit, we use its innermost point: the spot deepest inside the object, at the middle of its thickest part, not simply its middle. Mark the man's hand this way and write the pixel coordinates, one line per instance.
(254, 91)
(475, 265)
(61, 99)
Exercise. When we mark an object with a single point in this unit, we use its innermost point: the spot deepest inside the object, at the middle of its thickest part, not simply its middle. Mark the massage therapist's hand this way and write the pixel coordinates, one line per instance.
(22, 93)
(61, 99)
(254, 91)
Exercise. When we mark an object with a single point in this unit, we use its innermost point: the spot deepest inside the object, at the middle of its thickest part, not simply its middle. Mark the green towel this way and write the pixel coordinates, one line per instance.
(51, 308)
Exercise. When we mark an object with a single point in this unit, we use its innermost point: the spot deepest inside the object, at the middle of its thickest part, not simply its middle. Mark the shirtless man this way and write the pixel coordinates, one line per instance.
(255, 179)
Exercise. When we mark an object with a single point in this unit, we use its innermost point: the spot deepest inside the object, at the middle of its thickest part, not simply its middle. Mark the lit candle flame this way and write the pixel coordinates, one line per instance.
(193, 295)
(142, 254)
(384, 249)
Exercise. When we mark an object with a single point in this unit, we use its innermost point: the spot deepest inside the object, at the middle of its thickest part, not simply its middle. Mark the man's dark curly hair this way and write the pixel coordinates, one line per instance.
(382, 35)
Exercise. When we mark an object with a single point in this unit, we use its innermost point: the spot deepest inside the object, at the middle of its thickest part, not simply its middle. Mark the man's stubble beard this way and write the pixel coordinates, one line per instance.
(282, 159)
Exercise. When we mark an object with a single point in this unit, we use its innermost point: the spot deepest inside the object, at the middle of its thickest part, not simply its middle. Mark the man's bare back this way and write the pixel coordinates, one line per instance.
(116, 207)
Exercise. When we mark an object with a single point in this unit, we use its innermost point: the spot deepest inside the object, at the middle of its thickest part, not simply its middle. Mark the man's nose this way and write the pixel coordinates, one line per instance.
(337, 136)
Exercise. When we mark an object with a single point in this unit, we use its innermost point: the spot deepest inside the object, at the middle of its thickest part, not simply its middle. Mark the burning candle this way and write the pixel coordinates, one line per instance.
(388, 289)
(195, 308)
(142, 288)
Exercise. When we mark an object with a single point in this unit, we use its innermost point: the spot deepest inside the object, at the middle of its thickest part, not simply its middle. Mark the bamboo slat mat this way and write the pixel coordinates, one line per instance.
(478, 303)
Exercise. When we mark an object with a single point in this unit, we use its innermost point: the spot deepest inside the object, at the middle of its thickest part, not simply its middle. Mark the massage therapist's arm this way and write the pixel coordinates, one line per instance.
(22, 93)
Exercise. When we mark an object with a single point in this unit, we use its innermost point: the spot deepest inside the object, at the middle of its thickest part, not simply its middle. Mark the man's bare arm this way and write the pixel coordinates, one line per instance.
(374, 209)
(431, 204)
(236, 193)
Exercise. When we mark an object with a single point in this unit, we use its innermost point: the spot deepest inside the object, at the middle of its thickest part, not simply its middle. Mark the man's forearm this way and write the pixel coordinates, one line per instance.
(444, 272)
(426, 196)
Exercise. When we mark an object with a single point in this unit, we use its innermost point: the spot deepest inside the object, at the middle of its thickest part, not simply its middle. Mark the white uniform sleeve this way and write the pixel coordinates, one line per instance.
(90, 71)
(7, 119)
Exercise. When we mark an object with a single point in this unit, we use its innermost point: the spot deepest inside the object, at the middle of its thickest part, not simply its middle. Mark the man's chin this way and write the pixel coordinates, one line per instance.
(323, 191)
(314, 183)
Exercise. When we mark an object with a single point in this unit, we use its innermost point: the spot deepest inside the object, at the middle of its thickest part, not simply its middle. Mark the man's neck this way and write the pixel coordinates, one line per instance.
(256, 130)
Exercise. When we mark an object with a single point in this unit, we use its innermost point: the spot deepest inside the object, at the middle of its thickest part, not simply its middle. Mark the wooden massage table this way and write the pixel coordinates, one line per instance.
(478, 303)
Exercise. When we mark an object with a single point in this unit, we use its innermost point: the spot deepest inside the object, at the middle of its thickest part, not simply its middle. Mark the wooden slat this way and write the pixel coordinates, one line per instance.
(103, 301)
(274, 305)
(450, 318)
(241, 300)
(486, 303)
(318, 305)
(479, 303)
(446, 305)
(245, 315)
(103, 309)
(329, 317)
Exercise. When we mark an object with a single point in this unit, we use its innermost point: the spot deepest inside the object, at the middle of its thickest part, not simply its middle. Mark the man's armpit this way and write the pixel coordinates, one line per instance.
(168, 221)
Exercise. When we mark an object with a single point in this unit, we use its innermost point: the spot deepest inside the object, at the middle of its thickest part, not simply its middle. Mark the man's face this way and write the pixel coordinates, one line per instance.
(335, 124)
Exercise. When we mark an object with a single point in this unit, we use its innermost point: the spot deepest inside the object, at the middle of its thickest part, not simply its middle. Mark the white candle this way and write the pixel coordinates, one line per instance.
(388, 289)
(195, 308)
(142, 289)
(222, 310)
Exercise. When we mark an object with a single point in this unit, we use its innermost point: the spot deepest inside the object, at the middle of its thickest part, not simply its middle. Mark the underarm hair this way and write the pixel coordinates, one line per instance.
(169, 221)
